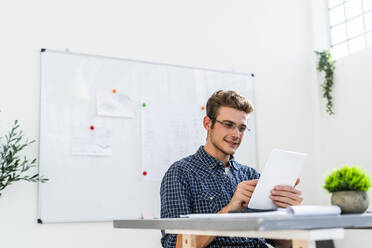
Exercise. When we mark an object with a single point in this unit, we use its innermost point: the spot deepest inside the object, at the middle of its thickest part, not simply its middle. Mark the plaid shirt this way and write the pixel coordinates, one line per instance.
(199, 184)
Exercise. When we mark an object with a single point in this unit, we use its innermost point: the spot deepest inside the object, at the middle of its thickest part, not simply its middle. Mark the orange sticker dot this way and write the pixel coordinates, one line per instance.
(91, 127)
(202, 108)
(114, 91)
(144, 173)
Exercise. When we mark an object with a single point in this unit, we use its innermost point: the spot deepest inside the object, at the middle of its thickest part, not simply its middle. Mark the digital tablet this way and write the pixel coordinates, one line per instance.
(282, 168)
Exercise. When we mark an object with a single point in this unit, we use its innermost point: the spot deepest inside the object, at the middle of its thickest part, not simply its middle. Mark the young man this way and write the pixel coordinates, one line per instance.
(211, 180)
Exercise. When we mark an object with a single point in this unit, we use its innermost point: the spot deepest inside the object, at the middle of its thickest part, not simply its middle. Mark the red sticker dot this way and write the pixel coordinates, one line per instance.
(91, 127)
(144, 173)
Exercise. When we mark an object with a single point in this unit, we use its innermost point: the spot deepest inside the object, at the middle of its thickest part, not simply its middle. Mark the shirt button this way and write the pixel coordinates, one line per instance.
(211, 198)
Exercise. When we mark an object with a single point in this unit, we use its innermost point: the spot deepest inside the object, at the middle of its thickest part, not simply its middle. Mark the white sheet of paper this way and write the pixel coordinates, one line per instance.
(114, 104)
(282, 168)
(313, 210)
(274, 213)
(88, 142)
(301, 210)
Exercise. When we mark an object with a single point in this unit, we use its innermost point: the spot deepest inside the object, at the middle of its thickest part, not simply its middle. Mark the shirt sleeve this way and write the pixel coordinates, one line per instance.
(255, 174)
(175, 199)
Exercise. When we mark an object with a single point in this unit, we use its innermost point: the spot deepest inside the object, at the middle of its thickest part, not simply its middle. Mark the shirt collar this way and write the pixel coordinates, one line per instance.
(212, 162)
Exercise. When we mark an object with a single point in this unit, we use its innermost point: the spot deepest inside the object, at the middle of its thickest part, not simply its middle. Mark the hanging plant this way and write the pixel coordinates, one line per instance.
(327, 65)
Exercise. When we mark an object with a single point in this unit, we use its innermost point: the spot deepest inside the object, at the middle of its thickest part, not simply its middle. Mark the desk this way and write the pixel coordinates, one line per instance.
(304, 231)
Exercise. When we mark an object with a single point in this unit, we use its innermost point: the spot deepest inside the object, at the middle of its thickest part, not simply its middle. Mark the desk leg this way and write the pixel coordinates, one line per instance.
(188, 241)
(303, 244)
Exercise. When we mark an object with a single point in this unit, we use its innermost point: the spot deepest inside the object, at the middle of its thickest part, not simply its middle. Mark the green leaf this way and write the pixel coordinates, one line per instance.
(326, 65)
(12, 167)
(347, 178)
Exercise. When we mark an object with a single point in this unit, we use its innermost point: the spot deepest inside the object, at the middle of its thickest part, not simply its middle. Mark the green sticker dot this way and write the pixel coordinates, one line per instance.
(143, 104)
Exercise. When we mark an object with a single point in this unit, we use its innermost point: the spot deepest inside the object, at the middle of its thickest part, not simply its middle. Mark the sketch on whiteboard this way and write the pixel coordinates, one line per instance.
(92, 141)
(114, 104)
(166, 140)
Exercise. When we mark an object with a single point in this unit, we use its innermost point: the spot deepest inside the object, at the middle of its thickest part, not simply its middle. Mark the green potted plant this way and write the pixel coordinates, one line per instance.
(12, 166)
(349, 186)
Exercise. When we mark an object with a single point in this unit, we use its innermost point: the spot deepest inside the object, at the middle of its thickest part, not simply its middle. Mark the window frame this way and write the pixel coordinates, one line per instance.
(345, 22)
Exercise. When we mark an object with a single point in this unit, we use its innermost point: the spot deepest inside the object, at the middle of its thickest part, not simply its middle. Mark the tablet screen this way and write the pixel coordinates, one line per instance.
(282, 168)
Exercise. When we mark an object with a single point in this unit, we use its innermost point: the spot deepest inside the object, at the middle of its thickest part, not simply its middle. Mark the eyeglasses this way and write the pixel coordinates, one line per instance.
(231, 125)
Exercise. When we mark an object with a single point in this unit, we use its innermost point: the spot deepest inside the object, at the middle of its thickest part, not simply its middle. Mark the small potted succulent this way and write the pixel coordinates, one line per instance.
(349, 186)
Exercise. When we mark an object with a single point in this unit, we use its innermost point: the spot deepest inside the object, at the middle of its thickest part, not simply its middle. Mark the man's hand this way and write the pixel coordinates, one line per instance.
(285, 196)
(242, 195)
(239, 200)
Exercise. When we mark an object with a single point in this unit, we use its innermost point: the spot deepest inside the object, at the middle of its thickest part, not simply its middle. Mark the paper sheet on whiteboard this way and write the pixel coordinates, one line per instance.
(282, 168)
(86, 142)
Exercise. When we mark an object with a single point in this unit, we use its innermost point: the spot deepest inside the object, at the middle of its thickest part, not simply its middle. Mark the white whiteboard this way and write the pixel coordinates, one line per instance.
(110, 128)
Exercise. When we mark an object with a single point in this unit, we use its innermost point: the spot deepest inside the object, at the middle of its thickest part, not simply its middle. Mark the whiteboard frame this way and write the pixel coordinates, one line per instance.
(67, 52)
(252, 75)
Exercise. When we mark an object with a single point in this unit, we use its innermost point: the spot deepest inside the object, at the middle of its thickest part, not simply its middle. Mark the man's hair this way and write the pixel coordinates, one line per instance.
(228, 98)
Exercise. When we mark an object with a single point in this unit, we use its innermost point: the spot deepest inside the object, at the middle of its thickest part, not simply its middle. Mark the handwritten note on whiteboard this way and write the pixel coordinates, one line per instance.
(93, 141)
(169, 133)
(114, 104)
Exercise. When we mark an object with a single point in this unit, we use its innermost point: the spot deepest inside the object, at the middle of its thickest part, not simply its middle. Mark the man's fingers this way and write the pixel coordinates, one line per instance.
(284, 200)
(281, 204)
(244, 194)
(289, 194)
(248, 185)
(293, 200)
(250, 182)
(287, 188)
(284, 195)
(244, 191)
(243, 199)
(245, 187)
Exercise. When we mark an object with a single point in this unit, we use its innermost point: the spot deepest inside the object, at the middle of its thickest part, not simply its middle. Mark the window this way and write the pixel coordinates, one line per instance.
(350, 26)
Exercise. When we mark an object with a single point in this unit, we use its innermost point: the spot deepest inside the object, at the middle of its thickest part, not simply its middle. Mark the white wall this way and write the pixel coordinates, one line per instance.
(269, 38)
(346, 137)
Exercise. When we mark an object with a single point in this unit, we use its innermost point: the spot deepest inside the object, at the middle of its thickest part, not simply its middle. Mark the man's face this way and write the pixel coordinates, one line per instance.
(225, 135)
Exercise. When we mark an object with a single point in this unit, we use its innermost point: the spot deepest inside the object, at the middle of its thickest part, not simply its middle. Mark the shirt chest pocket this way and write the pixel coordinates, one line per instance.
(209, 202)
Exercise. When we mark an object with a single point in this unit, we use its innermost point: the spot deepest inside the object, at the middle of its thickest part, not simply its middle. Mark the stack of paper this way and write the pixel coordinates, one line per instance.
(302, 210)
(236, 215)
(306, 210)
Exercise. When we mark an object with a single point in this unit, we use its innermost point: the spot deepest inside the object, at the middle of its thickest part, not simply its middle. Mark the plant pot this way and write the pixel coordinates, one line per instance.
(350, 201)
